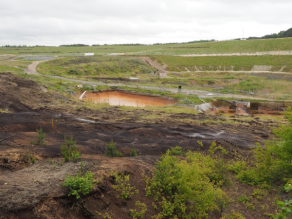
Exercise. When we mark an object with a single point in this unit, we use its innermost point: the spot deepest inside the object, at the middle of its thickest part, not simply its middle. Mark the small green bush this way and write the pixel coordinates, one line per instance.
(111, 150)
(78, 184)
(273, 162)
(176, 151)
(243, 198)
(133, 152)
(69, 150)
(233, 215)
(285, 206)
(138, 214)
(185, 186)
(123, 185)
(40, 137)
(29, 158)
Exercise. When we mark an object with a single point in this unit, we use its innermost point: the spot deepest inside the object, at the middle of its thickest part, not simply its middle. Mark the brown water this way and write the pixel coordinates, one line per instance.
(118, 98)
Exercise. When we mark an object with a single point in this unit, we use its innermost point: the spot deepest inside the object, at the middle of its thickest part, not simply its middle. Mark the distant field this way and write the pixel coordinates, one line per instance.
(235, 46)
(177, 63)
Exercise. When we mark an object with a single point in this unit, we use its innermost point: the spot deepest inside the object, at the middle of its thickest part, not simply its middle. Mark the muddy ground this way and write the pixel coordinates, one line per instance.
(35, 190)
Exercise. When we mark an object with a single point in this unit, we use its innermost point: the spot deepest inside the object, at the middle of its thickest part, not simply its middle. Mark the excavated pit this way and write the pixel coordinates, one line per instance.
(118, 98)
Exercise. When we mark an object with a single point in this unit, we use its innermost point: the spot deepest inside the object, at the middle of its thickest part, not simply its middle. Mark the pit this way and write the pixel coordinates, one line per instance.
(118, 98)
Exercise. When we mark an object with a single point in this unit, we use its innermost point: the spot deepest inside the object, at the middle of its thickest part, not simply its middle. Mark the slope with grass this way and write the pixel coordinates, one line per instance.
(101, 66)
(232, 46)
(225, 63)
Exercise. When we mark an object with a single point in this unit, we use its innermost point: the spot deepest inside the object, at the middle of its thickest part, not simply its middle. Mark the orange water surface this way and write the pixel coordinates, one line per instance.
(118, 98)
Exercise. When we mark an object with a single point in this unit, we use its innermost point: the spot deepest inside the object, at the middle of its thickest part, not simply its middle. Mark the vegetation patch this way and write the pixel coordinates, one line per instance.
(80, 185)
(40, 137)
(187, 188)
(69, 149)
(111, 150)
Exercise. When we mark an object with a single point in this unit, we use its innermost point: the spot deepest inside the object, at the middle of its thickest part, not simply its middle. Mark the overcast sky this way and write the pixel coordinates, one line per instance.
(55, 22)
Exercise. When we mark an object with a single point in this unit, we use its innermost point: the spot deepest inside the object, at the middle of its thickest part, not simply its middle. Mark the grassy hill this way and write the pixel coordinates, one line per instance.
(244, 63)
(233, 46)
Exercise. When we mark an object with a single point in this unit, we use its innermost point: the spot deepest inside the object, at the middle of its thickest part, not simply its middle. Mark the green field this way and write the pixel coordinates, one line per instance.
(243, 63)
(4, 68)
(234, 46)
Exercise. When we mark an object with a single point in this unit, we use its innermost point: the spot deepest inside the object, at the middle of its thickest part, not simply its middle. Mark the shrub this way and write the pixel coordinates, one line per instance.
(185, 186)
(273, 162)
(73, 72)
(69, 150)
(243, 198)
(133, 152)
(123, 185)
(107, 216)
(29, 158)
(286, 206)
(176, 151)
(111, 150)
(238, 167)
(40, 137)
(233, 215)
(78, 184)
(138, 214)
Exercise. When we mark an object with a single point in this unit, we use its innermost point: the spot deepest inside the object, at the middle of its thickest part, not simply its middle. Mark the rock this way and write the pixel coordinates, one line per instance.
(6, 160)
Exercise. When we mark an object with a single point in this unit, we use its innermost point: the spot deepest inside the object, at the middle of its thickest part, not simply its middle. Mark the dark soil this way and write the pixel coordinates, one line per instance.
(35, 191)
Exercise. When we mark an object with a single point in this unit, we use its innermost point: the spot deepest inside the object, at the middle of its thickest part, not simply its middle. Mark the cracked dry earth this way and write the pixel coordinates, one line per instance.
(35, 191)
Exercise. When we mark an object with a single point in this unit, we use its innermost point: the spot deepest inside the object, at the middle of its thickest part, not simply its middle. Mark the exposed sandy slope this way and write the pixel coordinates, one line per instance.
(154, 64)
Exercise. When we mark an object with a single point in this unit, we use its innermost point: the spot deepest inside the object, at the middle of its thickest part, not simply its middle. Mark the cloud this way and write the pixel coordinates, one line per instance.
(57, 22)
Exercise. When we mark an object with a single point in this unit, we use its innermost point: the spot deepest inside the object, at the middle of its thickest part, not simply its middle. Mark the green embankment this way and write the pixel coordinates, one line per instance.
(233, 46)
(105, 66)
(10, 69)
(244, 63)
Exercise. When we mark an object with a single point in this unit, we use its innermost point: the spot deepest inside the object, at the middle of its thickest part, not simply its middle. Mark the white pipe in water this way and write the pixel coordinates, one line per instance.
(82, 95)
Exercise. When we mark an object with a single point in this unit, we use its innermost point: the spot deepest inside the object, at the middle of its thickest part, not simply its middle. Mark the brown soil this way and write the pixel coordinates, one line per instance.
(35, 191)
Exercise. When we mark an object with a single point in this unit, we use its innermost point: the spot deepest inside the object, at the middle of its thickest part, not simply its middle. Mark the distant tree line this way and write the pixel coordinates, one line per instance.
(281, 34)
(74, 45)
(17, 46)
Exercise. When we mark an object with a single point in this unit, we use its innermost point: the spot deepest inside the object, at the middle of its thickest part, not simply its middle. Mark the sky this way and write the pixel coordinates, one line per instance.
(56, 22)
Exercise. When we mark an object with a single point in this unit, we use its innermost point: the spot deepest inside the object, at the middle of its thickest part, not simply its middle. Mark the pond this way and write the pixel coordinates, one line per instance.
(118, 98)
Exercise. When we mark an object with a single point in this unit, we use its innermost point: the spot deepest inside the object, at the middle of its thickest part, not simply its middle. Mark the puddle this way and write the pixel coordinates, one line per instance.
(86, 120)
(38, 58)
(197, 135)
(118, 98)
